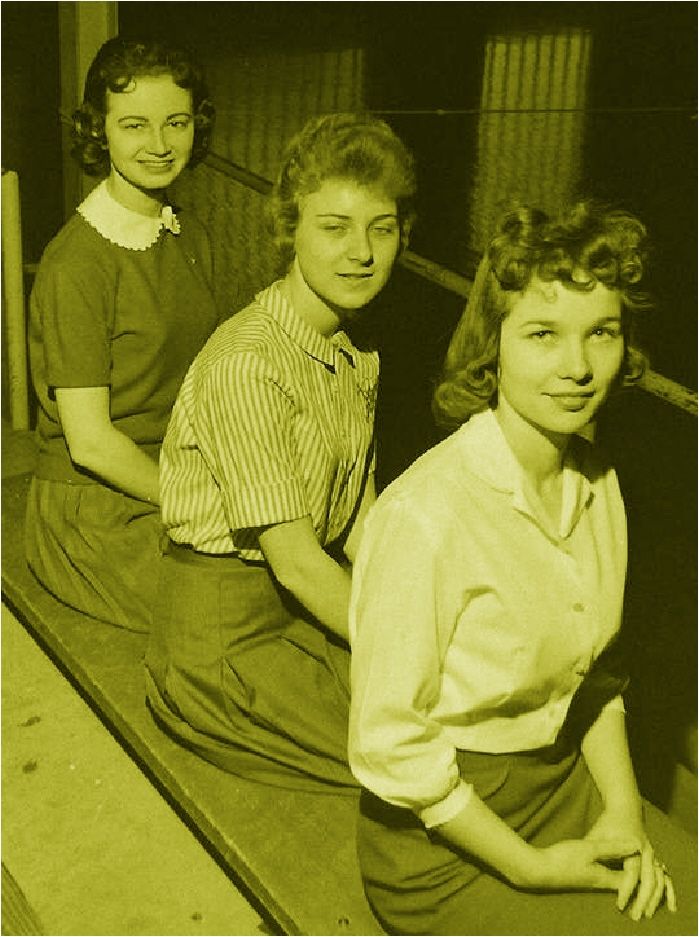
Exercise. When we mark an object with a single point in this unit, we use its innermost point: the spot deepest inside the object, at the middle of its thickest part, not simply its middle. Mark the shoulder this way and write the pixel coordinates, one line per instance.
(431, 485)
(242, 347)
(76, 255)
(75, 241)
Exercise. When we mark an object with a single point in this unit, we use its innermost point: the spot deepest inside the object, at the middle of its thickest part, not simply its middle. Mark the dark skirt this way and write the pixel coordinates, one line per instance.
(417, 884)
(238, 674)
(95, 549)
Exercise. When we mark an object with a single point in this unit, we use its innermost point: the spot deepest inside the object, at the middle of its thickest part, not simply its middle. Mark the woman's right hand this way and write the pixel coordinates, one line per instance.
(580, 864)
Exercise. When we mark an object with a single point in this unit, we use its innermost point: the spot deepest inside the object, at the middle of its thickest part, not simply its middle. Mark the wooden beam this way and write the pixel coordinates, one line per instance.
(83, 28)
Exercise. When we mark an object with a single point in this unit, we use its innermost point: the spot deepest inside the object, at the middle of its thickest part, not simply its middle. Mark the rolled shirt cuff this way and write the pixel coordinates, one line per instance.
(448, 808)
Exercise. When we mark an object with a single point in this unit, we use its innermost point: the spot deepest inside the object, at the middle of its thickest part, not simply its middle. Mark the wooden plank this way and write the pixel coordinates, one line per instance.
(18, 916)
(293, 852)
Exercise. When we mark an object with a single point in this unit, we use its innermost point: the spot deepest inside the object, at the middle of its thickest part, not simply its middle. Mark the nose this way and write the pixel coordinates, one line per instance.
(360, 247)
(157, 144)
(575, 362)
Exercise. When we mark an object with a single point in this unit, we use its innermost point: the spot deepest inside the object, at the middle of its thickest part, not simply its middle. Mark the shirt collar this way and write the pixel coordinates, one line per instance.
(121, 225)
(313, 343)
(491, 458)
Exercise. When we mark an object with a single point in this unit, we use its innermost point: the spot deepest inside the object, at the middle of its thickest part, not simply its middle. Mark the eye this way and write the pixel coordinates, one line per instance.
(180, 124)
(132, 126)
(607, 332)
(542, 334)
(333, 228)
(385, 230)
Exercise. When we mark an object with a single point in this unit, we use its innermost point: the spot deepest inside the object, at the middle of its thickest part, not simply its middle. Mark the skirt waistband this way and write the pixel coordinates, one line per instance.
(185, 553)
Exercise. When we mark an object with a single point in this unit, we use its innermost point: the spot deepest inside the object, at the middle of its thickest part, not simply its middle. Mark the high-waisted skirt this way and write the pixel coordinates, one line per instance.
(417, 884)
(95, 549)
(237, 672)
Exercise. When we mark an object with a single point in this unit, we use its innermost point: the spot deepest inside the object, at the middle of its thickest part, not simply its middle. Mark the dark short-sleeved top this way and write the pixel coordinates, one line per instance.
(131, 319)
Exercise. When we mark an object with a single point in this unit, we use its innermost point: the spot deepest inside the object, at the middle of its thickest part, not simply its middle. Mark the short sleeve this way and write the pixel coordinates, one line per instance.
(71, 307)
(245, 422)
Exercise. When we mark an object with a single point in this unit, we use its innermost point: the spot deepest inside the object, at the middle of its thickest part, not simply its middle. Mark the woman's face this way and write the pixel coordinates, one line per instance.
(346, 242)
(150, 131)
(560, 351)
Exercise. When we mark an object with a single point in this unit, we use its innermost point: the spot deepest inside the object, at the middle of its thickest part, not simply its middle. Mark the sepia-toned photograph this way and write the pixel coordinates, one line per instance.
(349, 468)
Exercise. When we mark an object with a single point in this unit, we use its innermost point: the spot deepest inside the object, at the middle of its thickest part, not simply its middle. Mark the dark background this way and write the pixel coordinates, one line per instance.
(639, 153)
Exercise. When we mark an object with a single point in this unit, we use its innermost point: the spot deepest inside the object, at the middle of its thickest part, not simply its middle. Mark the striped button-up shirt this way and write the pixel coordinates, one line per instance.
(474, 621)
(273, 422)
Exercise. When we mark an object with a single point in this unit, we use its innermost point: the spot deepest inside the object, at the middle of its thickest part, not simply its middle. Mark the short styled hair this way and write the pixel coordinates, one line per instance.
(118, 62)
(358, 147)
(585, 244)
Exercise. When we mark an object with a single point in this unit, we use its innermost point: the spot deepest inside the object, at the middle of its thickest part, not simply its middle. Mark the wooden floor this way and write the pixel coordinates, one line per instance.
(92, 846)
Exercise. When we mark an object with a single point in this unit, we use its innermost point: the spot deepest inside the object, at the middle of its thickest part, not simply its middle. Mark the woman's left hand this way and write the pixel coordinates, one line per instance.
(647, 881)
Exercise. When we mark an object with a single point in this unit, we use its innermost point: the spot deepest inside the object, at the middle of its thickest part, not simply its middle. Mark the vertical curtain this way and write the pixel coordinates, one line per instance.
(261, 102)
(531, 127)
(264, 100)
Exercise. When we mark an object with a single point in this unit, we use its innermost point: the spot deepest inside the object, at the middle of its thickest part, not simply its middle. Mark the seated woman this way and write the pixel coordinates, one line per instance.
(487, 722)
(121, 305)
(267, 472)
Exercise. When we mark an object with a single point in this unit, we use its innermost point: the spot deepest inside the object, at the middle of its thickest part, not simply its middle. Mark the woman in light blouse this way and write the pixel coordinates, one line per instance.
(487, 725)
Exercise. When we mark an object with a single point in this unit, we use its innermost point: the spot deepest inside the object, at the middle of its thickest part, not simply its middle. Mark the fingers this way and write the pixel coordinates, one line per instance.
(658, 892)
(632, 870)
(670, 894)
(654, 883)
(647, 884)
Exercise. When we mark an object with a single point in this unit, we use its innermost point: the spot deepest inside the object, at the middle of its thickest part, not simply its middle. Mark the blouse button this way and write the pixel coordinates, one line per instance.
(578, 607)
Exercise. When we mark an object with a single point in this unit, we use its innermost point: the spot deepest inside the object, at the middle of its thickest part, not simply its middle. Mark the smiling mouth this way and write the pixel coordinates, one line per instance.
(572, 401)
(355, 276)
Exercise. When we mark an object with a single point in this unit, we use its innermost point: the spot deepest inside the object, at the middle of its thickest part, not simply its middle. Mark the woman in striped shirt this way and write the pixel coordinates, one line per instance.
(267, 472)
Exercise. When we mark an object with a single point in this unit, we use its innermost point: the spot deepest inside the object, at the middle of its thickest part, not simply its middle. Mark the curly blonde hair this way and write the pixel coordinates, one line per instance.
(586, 244)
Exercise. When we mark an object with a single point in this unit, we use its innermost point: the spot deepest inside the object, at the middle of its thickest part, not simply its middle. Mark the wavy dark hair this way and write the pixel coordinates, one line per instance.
(342, 146)
(114, 67)
(588, 243)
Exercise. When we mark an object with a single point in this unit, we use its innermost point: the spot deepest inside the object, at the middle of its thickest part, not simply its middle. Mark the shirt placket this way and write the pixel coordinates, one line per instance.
(580, 611)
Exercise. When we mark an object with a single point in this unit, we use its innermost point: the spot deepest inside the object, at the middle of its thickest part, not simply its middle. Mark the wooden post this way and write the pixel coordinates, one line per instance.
(14, 313)
(83, 27)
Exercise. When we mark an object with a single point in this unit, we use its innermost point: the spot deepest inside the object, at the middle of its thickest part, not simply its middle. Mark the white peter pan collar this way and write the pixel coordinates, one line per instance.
(122, 226)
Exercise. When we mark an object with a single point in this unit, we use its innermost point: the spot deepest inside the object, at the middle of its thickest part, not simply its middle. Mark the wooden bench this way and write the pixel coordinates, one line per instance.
(292, 853)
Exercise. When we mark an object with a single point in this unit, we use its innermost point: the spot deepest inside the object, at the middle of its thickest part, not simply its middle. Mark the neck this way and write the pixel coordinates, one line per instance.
(147, 202)
(307, 304)
(540, 454)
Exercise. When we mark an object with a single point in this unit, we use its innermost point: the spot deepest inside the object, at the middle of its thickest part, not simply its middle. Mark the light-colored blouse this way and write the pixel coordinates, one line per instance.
(472, 621)
(274, 422)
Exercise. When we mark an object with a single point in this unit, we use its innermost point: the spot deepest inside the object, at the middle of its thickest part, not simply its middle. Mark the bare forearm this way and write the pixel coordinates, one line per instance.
(567, 865)
(606, 752)
(302, 566)
(479, 832)
(324, 589)
(117, 460)
(96, 445)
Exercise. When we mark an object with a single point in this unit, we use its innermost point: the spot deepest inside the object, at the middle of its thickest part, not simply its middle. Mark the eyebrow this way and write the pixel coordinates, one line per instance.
(332, 214)
(546, 322)
(141, 117)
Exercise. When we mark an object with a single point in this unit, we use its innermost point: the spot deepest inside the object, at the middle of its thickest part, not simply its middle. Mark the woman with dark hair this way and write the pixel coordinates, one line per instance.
(267, 472)
(487, 722)
(121, 305)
